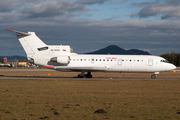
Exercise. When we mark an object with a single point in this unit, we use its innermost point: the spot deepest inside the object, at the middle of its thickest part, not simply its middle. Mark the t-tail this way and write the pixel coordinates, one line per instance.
(30, 43)
(40, 53)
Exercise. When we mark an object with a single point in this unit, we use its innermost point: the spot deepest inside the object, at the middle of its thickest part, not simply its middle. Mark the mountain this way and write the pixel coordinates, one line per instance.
(113, 49)
(15, 57)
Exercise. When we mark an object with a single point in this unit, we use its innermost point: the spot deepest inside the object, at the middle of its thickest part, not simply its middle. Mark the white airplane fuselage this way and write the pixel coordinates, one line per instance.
(61, 57)
(111, 63)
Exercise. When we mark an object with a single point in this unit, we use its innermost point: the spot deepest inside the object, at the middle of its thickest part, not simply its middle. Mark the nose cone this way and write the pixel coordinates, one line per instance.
(172, 67)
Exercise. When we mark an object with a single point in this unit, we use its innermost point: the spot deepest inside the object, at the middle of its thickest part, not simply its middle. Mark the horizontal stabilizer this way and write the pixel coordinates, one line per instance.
(22, 33)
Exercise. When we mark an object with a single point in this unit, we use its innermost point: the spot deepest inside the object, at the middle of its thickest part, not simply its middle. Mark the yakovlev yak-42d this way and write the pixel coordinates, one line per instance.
(61, 58)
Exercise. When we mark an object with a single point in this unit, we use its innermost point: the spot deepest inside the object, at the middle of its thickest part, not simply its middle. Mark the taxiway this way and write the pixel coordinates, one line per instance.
(74, 78)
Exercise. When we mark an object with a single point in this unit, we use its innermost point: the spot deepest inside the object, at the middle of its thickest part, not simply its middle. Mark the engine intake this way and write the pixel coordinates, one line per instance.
(61, 60)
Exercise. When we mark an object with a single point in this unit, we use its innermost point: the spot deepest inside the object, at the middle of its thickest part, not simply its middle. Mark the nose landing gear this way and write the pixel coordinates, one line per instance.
(154, 75)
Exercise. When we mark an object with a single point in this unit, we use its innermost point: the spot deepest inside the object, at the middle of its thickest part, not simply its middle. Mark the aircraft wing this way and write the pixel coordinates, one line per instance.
(79, 69)
(22, 33)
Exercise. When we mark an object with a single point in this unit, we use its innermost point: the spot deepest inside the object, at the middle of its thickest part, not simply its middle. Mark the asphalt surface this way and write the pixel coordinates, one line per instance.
(70, 78)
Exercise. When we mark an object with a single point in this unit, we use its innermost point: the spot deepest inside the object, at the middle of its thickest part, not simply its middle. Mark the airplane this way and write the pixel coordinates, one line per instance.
(62, 58)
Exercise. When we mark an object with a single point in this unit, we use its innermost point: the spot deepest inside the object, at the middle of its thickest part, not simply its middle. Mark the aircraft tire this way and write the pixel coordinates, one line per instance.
(79, 76)
(153, 76)
(89, 76)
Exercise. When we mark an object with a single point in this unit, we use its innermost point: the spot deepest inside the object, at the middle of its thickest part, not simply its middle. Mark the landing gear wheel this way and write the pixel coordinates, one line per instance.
(153, 76)
(88, 75)
(80, 76)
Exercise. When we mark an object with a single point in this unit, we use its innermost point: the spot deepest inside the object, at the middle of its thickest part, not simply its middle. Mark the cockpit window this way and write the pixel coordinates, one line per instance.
(43, 48)
(165, 61)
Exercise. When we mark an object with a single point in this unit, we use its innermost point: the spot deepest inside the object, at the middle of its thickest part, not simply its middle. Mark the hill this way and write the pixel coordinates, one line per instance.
(113, 49)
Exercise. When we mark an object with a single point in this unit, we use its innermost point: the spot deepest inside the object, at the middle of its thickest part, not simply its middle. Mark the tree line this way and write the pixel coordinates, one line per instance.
(173, 58)
(1, 60)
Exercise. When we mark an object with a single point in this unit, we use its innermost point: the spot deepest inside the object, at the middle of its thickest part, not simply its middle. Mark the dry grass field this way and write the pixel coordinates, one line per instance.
(78, 99)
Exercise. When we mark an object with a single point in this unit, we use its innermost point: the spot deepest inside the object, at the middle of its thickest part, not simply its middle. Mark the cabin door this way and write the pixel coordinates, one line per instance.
(150, 62)
(119, 62)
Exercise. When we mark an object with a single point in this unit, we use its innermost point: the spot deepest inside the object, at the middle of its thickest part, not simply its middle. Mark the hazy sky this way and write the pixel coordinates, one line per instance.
(88, 25)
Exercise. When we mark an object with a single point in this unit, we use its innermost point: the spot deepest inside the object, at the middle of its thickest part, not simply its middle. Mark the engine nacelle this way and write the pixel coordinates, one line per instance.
(30, 60)
(61, 60)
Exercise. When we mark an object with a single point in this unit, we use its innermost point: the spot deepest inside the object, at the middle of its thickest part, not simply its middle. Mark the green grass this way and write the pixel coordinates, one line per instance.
(79, 99)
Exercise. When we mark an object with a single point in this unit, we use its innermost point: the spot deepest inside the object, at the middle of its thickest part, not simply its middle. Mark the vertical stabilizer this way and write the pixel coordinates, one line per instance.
(30, 42)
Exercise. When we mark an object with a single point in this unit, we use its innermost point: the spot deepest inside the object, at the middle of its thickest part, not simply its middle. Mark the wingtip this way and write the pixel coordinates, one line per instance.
(8, 29)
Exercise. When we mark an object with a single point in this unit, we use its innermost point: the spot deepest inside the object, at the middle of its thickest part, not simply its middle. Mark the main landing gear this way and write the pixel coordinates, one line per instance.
(154, 75)
(82, 75)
